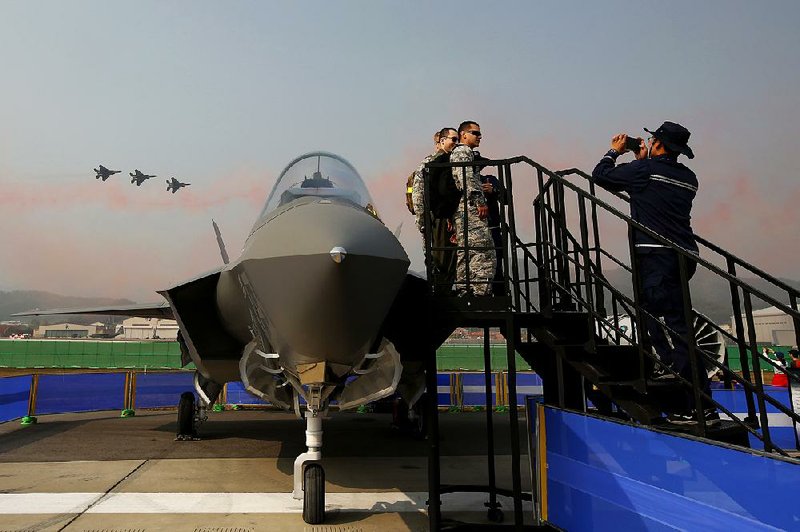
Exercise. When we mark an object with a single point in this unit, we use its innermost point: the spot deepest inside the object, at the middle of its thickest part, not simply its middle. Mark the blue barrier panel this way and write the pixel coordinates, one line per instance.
(155, 390)
(604, 475)
(80, 393)
(237, 395)
(474, 389)
(528, 384)
(734, 400)
(443, 388)
(14, 393)
(781, 429)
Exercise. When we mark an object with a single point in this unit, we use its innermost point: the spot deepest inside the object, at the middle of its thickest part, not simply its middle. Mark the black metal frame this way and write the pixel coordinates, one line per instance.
(751, 382)
(559, 272)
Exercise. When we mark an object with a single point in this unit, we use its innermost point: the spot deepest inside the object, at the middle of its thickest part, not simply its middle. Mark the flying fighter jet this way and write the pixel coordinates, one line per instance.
(139, 178)
(104, 173)
(174, 185)
(318, 310)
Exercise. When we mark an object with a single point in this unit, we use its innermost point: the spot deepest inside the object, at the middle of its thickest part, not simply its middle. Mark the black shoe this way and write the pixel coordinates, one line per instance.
(663, 374)
(682, 419)
(711, 416)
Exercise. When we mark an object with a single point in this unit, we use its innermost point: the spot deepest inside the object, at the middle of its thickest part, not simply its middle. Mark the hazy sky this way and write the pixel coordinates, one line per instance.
(224, 94)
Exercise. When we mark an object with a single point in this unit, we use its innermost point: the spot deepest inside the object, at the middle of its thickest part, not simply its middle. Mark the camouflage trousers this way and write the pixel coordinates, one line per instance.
(482, 261)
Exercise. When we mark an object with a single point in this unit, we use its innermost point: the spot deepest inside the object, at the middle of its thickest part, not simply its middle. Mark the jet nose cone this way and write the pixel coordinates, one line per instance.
(324, 277)
(338, 254)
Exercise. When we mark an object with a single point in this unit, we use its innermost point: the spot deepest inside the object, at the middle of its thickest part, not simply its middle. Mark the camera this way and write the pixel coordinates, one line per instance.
(633, 144)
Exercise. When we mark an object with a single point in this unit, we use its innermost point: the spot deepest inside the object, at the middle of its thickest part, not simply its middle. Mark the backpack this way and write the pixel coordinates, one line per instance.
(444, 195)
(409, 190)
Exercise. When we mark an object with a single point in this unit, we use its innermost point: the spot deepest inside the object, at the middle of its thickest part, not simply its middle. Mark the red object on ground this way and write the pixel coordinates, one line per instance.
(780, 379)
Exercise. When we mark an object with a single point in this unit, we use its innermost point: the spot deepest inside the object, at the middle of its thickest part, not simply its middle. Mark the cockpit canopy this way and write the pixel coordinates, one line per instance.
(320, 174)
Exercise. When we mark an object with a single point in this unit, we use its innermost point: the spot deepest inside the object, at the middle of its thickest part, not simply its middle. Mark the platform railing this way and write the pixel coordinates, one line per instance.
(562, 269)
(741, 292)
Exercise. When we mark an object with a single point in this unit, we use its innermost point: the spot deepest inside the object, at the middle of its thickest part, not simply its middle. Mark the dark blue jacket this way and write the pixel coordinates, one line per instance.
(661, 191)
(493, 201)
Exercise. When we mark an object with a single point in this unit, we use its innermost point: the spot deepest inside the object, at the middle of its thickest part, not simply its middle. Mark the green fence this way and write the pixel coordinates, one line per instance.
(470, 357)
(166, 355)
(735, 364)
(89, 354)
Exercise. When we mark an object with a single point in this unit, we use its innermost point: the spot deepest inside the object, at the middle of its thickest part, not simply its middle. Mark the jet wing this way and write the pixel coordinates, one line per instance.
(141, 310)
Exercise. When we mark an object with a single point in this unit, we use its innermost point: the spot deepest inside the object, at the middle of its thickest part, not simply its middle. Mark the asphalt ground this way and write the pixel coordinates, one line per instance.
(97, 471)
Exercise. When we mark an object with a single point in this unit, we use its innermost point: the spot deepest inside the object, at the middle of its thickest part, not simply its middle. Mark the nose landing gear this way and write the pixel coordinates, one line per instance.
(309, 476)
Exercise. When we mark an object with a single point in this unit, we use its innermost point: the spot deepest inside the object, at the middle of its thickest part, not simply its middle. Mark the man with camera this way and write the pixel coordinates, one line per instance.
(661, 192)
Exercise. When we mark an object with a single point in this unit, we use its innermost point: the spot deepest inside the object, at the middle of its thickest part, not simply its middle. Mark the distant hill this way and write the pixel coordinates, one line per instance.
(22, 300)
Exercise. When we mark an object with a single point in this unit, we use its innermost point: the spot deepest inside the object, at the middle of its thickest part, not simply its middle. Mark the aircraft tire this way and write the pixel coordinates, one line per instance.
(313, 494)
(186, 414)
(495, 515)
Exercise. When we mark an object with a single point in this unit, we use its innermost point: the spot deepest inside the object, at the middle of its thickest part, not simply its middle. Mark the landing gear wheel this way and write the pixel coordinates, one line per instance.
(495, 515)
(419, 424)
(313, 494)
(186, 416)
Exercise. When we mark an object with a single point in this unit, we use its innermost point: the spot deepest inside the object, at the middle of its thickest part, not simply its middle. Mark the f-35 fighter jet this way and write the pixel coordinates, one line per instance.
(318, 309)
(139, 178)
(104, 173)
(173, 185)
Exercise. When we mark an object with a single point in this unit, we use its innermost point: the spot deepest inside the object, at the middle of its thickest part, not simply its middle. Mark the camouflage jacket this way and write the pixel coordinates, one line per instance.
(475, 196)
(418, 190)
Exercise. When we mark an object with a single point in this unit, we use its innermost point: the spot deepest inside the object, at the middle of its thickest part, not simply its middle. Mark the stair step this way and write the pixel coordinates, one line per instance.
(472, 304)
(612, 380)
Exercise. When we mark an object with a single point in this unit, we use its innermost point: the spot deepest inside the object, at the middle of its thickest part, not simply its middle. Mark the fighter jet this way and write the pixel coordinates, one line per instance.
(318, 310)
(104, 173)
(139, 178)
(174, 185)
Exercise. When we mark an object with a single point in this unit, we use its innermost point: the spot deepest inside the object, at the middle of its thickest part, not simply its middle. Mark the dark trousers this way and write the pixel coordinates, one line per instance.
(662, 296)
(498, 284)
(444, 261)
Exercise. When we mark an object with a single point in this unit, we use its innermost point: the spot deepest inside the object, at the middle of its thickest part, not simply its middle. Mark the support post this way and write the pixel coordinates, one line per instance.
(516, 477)
(487, 379)
(432, 411)
(30, 419)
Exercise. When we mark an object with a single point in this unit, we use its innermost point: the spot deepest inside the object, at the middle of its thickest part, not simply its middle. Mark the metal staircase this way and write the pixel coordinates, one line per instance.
(565, 318)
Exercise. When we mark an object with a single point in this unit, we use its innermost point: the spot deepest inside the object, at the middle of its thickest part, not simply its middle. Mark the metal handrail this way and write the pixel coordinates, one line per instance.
(707, 243)
(558, 251)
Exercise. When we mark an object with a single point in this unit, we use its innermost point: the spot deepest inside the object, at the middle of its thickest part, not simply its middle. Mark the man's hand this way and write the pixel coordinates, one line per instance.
(483, 212)
(618, 142)
(487, 187)
(642, 153)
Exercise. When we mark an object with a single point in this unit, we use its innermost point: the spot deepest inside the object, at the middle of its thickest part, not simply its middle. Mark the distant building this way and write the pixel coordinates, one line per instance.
(15, 329)
(772, 326)
(149, 329)
(65, 330)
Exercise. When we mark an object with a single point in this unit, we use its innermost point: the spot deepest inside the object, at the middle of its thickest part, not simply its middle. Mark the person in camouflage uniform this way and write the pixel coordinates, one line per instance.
(443, 260)
(482, 261)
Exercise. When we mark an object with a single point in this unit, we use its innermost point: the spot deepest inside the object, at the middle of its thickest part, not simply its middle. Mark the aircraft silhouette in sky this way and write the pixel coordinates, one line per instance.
(104, 173)
(139, 178)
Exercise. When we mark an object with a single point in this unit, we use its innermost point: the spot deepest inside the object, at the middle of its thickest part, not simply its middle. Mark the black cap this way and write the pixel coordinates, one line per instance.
(674, 136)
